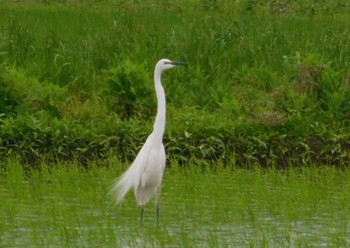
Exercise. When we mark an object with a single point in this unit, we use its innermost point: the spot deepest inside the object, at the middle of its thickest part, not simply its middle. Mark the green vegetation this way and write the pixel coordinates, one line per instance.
(67, 205)
(267, 81)
(267, 87)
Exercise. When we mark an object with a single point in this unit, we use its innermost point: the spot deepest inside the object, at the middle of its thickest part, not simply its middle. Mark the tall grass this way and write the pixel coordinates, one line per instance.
(262, 83)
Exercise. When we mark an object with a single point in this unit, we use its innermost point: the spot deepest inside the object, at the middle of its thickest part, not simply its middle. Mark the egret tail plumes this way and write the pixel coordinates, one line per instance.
(122, 185)
(146, 172)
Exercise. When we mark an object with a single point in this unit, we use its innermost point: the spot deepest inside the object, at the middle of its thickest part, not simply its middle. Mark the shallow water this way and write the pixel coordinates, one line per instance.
(205, 211)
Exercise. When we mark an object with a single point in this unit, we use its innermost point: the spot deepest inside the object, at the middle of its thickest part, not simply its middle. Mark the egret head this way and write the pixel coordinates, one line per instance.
(165, 64)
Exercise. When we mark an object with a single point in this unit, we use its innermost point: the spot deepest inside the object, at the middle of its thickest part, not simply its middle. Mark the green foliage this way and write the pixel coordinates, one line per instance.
(129, 87)
(25, 94)
(64, 204)
(267, 81)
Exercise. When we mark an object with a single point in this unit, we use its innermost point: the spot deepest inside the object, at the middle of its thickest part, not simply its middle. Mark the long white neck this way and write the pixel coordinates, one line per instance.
(159, 124)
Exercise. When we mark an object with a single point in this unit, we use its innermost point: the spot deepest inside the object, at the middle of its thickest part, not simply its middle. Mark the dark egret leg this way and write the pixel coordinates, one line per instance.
(158, 204)
(142, 210)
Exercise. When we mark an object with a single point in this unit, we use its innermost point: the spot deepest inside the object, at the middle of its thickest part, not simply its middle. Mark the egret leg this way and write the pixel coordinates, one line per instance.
(158, 204)
(142, 210)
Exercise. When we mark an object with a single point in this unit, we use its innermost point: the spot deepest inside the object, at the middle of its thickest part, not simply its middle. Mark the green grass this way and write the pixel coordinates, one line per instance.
(266, 81)
(68, 206)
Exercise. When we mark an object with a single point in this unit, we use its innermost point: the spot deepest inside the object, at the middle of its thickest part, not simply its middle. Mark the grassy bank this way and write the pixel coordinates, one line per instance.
(264, 84)
(68, 206)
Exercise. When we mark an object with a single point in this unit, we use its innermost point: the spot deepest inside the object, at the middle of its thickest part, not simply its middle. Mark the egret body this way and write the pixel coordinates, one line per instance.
(146, 172)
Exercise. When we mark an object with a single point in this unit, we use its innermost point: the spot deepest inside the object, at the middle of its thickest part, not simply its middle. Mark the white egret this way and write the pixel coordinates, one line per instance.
(146, 172)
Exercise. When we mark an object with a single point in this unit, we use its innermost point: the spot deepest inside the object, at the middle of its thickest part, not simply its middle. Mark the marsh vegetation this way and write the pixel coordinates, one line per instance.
(257, 130)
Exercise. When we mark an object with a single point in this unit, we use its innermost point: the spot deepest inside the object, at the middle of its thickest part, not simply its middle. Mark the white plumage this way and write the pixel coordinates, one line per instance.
(146, 172)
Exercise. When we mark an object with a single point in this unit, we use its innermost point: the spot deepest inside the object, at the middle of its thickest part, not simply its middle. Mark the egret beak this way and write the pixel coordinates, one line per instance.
(178, 63)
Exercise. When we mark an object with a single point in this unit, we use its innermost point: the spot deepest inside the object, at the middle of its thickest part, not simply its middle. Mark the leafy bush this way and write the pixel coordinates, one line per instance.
(25, 94)
(129, 88)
